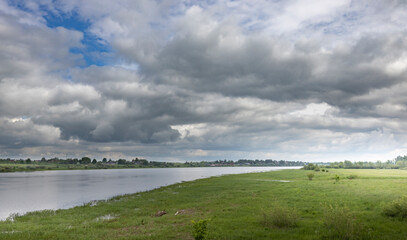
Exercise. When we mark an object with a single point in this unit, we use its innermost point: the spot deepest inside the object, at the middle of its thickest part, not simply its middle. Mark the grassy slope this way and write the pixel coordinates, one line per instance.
(235, 204)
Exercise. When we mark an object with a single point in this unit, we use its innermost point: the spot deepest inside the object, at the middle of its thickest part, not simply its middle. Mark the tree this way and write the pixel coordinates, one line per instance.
(85, 160)
(121, 161)
(104, 160)
(28, 161)
(94, 161)
(348, 164)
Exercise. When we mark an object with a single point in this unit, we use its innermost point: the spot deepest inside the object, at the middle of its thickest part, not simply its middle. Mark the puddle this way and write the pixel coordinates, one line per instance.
(106, 217)
(272, 180)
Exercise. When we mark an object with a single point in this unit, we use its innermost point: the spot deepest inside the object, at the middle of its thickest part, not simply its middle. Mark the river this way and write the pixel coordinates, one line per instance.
(22, 192)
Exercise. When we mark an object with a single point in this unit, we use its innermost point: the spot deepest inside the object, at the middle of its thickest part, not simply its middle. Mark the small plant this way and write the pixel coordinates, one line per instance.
(337, 178)
(323, 169)
(200, 229)
(397, 208)
(310, 176)
(280, 217)
(352, 176)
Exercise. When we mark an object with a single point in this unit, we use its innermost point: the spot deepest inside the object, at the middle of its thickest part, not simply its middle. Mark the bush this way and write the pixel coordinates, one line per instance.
(337, 178)
(341, 223)
(200, 229)
(317, 169)
(397, 208)
(310, 176)
(323, 169)
(352, 176)
(280, 217)
(311, 166)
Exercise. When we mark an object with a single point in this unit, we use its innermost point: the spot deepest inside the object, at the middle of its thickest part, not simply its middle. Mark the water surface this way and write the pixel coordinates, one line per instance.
(22, 192)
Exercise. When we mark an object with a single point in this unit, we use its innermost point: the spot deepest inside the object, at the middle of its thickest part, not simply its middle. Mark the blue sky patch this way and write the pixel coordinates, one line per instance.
(94, 46)
(95, 50)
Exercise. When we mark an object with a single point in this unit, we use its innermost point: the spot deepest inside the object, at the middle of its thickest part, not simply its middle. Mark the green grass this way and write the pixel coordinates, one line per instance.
(236, 205)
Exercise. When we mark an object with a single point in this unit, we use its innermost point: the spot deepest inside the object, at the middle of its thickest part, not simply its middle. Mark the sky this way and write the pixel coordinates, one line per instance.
(204, 80)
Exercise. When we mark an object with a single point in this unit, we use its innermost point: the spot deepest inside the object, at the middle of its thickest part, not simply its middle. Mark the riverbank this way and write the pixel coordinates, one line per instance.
(238, 206)
(44, 166)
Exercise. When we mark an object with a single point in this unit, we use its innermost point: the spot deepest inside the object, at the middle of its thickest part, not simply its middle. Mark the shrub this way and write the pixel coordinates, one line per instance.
(323, 170)
(397, 208)
(311, 166)
(200, 229)
(280, 217)
(352, 176)
(310, 176)
(317, 169)
(337, 178)
(341, 223)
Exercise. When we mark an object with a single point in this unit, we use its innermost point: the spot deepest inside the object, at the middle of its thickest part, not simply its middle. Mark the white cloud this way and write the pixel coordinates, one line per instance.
(321, 80)
(313, 109)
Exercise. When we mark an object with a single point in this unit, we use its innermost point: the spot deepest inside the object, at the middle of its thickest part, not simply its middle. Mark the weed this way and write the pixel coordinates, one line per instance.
(280, 217)
(397, 208)
(337, 178)
(341, 223)
(200, 229)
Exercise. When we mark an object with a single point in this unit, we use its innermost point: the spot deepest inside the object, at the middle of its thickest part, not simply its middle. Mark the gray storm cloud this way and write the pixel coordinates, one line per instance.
(206, 81)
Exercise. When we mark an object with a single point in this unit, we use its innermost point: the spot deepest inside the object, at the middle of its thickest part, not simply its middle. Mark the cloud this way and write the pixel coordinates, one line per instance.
(45, 50)
(205, 80)
(19, 132)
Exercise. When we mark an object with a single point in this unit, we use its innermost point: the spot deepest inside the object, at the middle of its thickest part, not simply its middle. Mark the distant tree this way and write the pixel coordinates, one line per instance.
(121, 161)
(310, 166)
(94, 161)
(85, 160)
(28, 161)
(43, 159)
(348, 164)
(104, 160)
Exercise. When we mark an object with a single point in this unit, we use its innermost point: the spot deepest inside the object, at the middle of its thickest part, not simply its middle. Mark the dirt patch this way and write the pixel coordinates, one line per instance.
(184, 212)
(160, 213)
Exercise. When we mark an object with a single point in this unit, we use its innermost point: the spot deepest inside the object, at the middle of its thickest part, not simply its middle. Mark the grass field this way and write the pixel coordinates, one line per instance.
(246, 206)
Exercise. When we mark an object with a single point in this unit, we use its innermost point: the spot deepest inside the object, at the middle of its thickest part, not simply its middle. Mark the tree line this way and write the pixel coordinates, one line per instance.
(140, 162)
(399, 162)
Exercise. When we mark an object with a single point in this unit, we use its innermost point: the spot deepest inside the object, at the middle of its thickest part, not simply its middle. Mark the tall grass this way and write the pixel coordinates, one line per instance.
(341, 224)
(280, 217)
(397, 208)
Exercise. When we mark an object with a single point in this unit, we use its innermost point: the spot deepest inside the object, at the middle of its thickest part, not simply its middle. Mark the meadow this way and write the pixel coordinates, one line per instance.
(338, 204)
